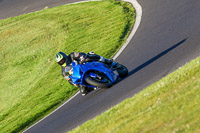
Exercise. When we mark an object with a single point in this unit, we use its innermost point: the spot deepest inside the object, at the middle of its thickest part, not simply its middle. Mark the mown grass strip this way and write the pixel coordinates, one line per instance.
(31, 83)
(169, 105)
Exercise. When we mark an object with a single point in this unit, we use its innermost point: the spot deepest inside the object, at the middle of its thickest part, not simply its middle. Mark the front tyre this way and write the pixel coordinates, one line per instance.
(103, 82)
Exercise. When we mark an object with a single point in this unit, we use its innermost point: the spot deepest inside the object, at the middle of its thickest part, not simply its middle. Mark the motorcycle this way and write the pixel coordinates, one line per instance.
(93, 75)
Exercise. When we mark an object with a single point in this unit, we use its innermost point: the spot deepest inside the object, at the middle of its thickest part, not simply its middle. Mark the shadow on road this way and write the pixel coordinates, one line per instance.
(154, 59)
(144, 65)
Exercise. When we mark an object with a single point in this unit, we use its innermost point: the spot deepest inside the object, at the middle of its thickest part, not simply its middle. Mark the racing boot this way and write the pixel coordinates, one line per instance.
(106, 61)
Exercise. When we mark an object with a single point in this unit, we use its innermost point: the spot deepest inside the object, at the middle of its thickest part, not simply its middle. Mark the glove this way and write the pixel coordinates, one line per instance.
(82, 59)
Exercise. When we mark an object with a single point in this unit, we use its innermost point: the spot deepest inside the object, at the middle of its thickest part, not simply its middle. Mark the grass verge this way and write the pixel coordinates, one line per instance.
(31, 83)
(169, 105)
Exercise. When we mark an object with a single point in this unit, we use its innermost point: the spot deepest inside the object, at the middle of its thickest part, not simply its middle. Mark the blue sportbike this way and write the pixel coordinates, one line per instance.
(92, 75)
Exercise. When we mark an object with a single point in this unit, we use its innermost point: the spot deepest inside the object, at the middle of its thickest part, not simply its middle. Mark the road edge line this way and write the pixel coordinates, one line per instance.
(52, 112)
(138, 18)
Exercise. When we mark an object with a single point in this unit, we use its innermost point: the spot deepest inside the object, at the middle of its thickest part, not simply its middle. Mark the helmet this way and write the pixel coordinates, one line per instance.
(61, 58)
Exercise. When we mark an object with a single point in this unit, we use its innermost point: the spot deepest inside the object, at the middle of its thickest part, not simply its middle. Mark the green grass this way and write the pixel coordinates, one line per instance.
(31, 84)
(170, 105)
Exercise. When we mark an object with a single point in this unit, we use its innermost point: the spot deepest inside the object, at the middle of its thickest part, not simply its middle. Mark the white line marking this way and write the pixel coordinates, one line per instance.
(138, 9)
(53, 111)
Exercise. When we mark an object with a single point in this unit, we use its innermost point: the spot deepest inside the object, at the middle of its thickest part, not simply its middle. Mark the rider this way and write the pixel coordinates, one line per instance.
(79, 57)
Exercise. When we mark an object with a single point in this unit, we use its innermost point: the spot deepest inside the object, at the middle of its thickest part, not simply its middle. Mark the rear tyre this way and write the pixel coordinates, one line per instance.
(104, 82)
(123, 71)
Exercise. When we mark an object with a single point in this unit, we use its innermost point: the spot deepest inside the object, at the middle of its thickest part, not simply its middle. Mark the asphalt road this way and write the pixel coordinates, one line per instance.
(168, 37)
(10, 8)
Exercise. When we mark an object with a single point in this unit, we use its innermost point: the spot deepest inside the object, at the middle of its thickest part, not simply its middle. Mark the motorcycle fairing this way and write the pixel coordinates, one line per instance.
(80, 70)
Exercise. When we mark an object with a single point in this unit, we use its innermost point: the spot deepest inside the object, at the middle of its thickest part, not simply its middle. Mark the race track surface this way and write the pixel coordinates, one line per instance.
(168, 37)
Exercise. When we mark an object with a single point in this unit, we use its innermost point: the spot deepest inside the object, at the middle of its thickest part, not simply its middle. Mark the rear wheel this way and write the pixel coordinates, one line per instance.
(102, 81)
(122, 70)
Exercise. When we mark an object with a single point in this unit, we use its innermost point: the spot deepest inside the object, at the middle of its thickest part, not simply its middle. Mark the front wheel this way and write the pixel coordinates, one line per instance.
(102, 82)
